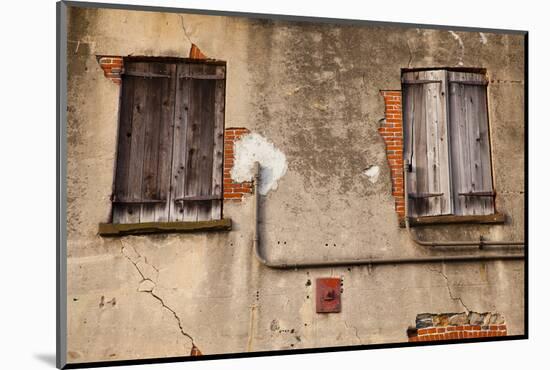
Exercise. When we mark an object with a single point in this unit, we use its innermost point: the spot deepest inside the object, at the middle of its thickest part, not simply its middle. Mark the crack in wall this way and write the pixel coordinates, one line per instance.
(355, 329)
(410, 55)
(457, 298)
(151, 289)
(185, 30)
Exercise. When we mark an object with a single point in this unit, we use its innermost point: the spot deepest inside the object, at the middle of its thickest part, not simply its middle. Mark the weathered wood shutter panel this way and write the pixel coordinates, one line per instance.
(426, 143)
(472, 176)
(198, 143)
(144, 143)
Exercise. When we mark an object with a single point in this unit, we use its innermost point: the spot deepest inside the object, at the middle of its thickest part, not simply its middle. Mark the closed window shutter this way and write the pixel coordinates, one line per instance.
(426, 143)
(198, 143)
(470, 150)
(144, 143)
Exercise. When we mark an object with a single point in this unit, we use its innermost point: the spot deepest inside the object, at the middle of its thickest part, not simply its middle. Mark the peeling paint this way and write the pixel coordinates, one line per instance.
(372, 173)
(483, 38)
(461, 45)
(255, 148)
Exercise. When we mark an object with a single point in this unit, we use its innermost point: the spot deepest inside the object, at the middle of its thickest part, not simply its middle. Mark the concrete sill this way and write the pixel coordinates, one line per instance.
(164, 227)
(497, 218)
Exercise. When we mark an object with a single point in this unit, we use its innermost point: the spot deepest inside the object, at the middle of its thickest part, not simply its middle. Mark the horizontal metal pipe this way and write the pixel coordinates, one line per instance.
(389, 261)
(358, 262)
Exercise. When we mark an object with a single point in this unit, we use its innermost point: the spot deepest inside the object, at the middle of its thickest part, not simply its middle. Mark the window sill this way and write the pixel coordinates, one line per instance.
(497, 218)
(107, 229)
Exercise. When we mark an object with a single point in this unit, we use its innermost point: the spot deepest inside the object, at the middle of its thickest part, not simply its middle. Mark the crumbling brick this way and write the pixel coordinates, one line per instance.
(112, 67)
(435, 327)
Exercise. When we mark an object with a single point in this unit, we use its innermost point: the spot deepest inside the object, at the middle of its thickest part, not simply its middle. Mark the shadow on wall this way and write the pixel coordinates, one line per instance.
(46, 358)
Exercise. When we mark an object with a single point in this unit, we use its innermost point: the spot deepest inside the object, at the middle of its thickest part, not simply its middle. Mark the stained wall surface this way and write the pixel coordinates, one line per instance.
(312, 90)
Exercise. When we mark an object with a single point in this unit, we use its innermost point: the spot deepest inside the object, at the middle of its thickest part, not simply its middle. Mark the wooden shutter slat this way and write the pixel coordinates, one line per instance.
(146, 74)
(158, 143)
(200, 143)
(472, 112)
(420, 151)
(426, 131)
(120, 212)
(217, 162)
(140, 116)
(179, 162)
(205, 77)
(442, 139)
(166, 143)
(482, 83)
(470, 145)
(459, 147)
(485, 151)
(192, 142)
(409, 114)
(208, 88)
(149, 189)
(432, 165)
(413, 82)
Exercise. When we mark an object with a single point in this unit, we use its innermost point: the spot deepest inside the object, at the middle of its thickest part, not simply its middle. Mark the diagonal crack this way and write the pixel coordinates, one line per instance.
(185, 30)
(457, 298)
(151, 290)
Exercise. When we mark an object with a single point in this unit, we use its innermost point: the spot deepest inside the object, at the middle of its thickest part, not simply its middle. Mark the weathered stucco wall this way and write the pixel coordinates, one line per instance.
(313, 91)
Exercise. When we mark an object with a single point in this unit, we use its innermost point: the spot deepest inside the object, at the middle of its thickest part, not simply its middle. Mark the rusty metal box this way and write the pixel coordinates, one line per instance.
(328, 299)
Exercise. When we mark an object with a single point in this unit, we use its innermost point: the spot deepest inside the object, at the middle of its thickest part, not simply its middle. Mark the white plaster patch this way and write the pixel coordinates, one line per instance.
(372, 173)
(255, 148)
(483, 38)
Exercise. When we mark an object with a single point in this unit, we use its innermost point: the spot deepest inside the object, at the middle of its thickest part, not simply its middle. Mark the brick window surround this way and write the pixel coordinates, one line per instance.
(391, 131)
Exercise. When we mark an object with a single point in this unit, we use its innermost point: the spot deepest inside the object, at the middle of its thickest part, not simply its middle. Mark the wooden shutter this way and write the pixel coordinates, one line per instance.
(198, 142)
(426, 143)
(145, 140)
(470, 150)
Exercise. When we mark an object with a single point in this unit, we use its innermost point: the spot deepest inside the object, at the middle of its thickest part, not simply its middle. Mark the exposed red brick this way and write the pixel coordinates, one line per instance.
(195, 351)
(454, 332)
(233, 191)
(392, 133)
(196, 53)
(112, 67)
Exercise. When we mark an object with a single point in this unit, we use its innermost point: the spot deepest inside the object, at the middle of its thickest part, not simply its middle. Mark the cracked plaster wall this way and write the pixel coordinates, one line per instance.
(313, 91)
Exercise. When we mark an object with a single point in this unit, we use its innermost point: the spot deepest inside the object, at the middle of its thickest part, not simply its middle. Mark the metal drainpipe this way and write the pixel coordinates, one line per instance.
(357, 262)
(480, 243)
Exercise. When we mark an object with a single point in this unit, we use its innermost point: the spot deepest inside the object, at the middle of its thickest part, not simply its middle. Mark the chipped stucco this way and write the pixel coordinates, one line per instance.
(372, 173)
